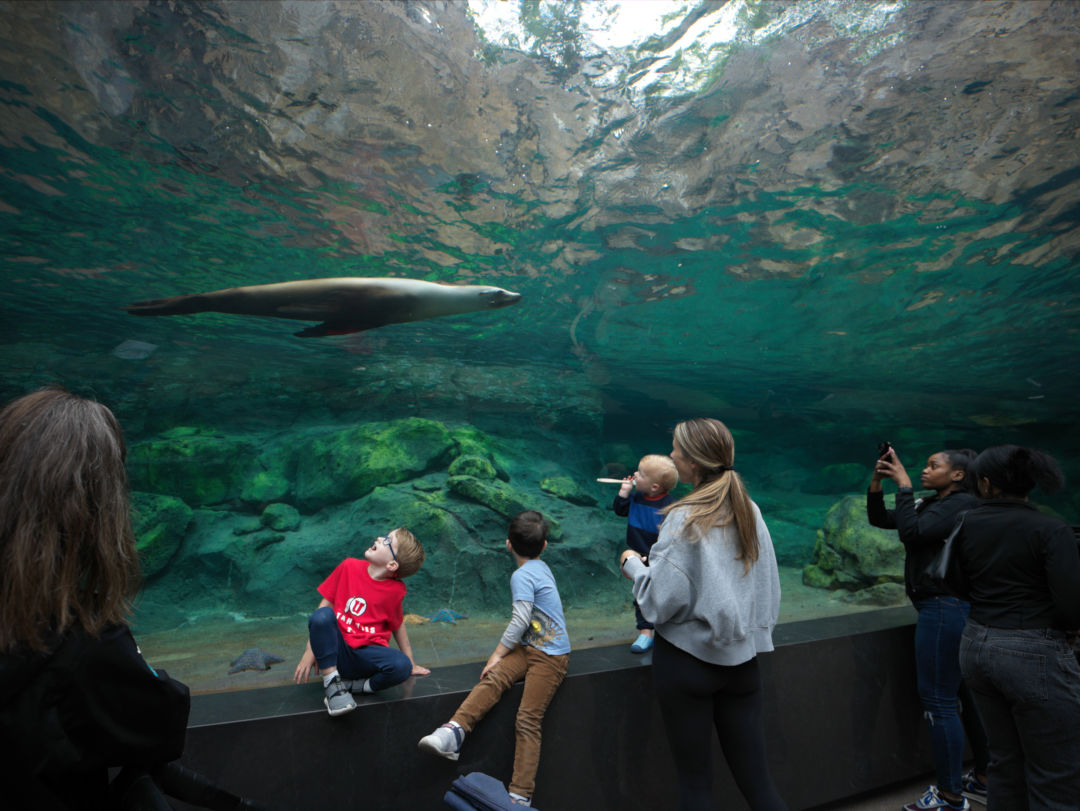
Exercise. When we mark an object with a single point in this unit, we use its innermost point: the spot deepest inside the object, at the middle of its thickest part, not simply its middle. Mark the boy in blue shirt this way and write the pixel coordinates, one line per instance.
(652, 483)
(535, 646)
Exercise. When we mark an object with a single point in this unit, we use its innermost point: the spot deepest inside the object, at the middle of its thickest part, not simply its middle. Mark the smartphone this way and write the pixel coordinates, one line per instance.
(883, 448)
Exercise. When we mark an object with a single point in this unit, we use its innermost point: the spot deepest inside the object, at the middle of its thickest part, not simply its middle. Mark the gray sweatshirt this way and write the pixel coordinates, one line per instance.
(699, 599)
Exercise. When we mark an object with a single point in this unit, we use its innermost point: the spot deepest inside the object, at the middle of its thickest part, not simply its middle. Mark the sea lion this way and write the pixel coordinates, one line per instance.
(345, 304)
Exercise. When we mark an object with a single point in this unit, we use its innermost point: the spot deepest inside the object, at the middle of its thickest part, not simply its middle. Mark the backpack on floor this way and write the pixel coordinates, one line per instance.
(477, 790)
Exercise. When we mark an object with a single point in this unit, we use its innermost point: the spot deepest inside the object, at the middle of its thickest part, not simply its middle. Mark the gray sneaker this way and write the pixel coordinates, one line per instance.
(445, 741)
(338, 699)
(356, 686)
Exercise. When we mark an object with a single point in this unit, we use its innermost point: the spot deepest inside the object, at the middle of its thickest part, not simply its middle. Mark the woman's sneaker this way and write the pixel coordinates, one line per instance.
(974, 788)
(445, 741)
(338, 699)
(932, 799)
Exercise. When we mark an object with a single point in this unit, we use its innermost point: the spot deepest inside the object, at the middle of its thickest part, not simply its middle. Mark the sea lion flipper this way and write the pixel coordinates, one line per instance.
(328, 328)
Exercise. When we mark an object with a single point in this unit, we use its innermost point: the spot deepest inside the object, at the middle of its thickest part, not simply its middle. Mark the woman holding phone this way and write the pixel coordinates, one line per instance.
(923, 525)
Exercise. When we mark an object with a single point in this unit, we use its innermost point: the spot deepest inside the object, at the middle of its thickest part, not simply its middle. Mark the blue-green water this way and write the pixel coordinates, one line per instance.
(824, 223)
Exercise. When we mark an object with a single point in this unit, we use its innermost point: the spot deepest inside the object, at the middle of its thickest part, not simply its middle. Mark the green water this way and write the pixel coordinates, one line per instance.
(826, 224)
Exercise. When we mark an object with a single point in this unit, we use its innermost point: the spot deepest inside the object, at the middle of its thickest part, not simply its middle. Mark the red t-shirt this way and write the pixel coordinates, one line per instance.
(367, 610)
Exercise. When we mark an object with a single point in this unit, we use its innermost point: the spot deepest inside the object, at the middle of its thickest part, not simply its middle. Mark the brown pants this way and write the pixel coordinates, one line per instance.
(543, 674)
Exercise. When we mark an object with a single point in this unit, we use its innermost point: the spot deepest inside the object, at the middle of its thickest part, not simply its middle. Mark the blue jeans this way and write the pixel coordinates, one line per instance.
(385, 666)
(1027, 686)
(937, 666)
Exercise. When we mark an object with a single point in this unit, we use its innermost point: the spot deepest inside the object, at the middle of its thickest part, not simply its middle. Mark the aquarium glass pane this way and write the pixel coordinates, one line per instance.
(825, 223)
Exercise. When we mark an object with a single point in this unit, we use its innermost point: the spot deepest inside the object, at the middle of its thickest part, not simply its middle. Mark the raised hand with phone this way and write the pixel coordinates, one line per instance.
(888, 466)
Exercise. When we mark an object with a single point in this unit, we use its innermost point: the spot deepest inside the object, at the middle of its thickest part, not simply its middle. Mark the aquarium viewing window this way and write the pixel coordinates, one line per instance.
(563, 228)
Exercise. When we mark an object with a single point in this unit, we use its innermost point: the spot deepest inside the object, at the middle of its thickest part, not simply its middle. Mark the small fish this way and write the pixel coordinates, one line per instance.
(254, 659)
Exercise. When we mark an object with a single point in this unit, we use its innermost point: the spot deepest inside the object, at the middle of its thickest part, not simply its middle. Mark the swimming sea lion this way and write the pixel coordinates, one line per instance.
(345, 304)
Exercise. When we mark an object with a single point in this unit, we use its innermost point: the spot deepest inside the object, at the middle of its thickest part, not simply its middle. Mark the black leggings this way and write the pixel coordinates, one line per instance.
(694, 696)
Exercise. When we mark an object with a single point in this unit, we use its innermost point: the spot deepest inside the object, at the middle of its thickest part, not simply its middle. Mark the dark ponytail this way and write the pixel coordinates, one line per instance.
(1016, 471)
(962, 460)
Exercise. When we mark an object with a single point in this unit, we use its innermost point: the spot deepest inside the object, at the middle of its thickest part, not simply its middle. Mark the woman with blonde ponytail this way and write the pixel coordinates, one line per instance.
(712, 590)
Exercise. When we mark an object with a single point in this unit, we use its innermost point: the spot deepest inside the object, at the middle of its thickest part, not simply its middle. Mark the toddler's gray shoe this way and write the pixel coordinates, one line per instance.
(338, 699)
(445, 741)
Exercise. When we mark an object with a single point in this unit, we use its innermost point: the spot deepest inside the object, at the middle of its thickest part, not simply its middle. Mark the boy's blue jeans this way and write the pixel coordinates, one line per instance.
(1027, 685)
(385, 666)
(937, 664)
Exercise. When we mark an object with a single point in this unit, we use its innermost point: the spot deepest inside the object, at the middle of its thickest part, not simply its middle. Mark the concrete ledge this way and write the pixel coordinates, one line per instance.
(842, 718)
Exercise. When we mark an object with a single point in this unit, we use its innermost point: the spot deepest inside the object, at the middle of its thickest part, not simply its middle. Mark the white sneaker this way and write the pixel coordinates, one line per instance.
(932, 799)
(445, 741)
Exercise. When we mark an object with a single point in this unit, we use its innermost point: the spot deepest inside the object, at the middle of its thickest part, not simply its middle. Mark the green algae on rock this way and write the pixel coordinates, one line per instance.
(476, 466)
(343, 465)
(198, 466)
(159, 523)
(282, 517)
(568, 490)
(850, 554)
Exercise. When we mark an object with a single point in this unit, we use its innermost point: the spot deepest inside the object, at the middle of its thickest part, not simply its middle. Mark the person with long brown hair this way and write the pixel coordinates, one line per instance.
(712, 590)
(76, 696)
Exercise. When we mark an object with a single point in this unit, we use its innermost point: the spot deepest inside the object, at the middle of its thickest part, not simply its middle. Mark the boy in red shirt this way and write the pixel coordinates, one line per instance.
(349, 633)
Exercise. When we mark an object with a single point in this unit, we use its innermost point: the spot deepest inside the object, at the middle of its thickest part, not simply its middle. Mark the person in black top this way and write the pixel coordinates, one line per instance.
(1020, 570)
(923, 526)
(76, 696)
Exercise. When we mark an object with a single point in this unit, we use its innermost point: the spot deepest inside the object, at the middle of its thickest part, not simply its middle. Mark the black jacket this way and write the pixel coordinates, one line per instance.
(923, 527)
(1019, 568)
(69, 715)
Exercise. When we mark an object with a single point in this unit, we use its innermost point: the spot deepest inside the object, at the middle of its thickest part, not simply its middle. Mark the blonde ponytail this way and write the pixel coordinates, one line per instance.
(720, 497)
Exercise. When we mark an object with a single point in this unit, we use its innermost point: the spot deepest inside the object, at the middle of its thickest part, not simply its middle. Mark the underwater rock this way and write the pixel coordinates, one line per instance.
(269, 476)
(254, 659)
(568, 490)
(472, 442)
(283, 517)
(427, 485)
(496, 495)
(477, 466)
(345, 465)
(200, 467)
(851, 554)
(884, 594)
(263, 539)
(246, 525)
(159, 523)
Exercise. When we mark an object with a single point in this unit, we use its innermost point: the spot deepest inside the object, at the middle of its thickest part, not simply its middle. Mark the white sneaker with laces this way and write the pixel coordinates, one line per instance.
(445, 741)
(932, 799)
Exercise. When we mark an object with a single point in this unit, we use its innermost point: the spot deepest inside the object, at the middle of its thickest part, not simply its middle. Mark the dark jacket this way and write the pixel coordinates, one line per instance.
(69, 715)
(643, 518)
(1019, 568)
(923, 527)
